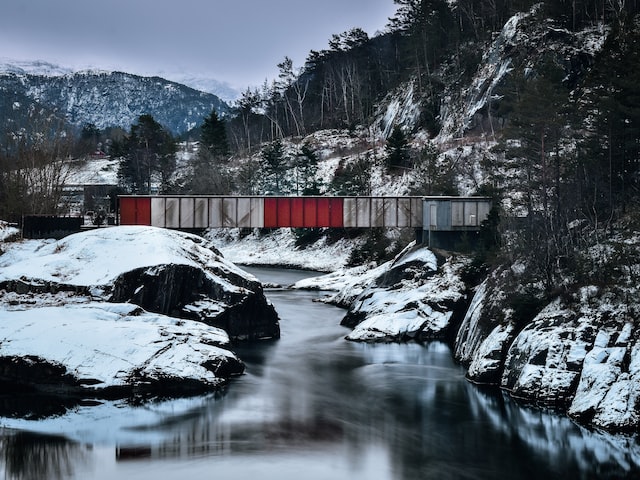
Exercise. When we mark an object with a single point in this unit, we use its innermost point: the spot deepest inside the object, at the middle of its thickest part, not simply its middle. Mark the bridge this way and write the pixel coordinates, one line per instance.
(435, 215)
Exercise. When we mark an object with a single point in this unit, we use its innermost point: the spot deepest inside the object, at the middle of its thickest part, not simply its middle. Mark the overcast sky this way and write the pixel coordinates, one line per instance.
(234, 41)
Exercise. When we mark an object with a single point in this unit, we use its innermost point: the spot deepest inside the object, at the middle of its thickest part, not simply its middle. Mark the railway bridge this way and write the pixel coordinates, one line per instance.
(436, 219)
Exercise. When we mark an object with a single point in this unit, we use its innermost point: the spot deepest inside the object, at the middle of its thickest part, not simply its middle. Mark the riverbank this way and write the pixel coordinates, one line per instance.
(315, 406)
(576, 352)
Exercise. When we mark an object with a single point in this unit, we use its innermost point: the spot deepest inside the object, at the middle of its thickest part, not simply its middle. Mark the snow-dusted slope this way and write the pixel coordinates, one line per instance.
(110, 99)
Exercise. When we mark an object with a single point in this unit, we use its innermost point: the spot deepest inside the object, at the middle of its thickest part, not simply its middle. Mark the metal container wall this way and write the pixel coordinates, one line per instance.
(367, 212)
(483, 211)
(302, 212)
(274, 212)
(451, 213)
(201, 213)
(135, 211)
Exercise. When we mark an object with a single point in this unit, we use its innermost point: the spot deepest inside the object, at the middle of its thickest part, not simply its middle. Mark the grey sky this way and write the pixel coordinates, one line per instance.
(237, 41)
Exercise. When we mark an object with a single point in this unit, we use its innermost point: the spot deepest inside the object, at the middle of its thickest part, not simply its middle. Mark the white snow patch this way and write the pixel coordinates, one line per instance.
(279, 249)
(97, 257)
(107, 343)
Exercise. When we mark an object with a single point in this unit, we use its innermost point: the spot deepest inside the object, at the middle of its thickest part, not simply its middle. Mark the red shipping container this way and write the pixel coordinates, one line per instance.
(310, 212)
(297, 206)
(135, 211)
(284, 212)
(336, 206)
(270, 212)
(323, 214)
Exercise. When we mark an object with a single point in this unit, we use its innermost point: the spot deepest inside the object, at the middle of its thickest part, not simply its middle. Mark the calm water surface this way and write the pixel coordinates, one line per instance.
(315, 406)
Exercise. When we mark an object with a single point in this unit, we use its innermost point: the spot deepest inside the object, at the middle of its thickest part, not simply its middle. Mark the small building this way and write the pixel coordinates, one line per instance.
(452, 222)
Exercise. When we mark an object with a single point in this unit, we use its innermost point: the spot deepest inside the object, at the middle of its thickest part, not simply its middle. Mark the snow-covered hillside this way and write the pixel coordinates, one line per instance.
(107, 99)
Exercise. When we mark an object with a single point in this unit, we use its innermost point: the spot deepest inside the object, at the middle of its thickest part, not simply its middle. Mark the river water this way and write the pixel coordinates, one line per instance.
(314, 406)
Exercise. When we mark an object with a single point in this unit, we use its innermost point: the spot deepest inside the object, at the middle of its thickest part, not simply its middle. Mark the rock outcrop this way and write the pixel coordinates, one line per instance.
(579, 353)
(413, 298)
(124, 311)
(162, 271)
(111, 350)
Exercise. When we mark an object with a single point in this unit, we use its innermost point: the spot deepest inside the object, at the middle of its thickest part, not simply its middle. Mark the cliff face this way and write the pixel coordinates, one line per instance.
(184, 291)
(580, 354)
(575, 350)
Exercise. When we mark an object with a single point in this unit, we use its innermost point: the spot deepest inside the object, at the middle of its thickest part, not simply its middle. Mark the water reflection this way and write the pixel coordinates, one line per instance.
(27, 456)
(314, 405)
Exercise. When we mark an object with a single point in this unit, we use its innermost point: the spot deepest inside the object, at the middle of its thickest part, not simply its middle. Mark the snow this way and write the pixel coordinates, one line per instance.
(104, 345)
(7, 231)
(487, 358)
(403, 108)
(345, 283)
(37, 67)
(108, 344)
(458, 111)
(411, 307)
(279, 249)
(109, 252)
(97, 171)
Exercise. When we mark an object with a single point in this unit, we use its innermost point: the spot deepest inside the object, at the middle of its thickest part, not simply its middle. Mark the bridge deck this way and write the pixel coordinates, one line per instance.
(186, 211)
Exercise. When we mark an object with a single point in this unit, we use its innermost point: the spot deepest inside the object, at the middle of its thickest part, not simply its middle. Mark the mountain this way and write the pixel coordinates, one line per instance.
(106, 99)
(32, 67)
(205, 84)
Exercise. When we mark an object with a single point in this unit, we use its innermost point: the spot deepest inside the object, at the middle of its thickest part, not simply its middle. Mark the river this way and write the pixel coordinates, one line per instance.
(314, 406)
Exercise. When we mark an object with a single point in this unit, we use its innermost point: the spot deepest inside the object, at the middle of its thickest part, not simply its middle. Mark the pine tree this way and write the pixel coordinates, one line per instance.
(610, 157)
(536, 168)
(210, 170)
(397, 149)
(149, 156)
(274, 168)
(213, 136)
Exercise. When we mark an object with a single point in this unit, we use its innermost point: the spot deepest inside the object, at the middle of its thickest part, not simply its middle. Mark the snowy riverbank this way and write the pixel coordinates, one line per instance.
(112, 312)
(580, 353)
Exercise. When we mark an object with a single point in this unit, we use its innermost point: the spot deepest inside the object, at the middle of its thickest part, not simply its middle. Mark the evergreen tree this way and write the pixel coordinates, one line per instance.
(274, 167)
(536, 167)
(213, 136)
(149, 156)
(397, 149)
(210, 170)
(432, 176)
(306, 168)
(353, 178)
(609, 160)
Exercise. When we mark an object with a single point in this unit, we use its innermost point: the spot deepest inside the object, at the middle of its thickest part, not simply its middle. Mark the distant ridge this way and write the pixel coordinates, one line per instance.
(104, 98)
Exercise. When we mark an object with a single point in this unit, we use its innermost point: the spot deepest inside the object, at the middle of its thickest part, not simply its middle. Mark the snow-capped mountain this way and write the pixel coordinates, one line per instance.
(205, 84)
(106, 99)
(32, 67)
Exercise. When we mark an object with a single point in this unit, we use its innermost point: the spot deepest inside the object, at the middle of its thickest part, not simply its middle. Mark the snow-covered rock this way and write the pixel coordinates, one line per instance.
(487, 329)
(543, 363)
(607, 393)
(7, 231)
(75, 314)
(279, 248)
(412, 298)
(579, 353)
(111, 349)
(163, 271)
